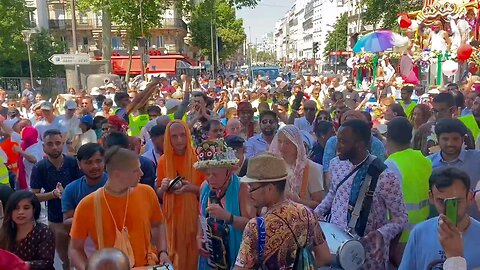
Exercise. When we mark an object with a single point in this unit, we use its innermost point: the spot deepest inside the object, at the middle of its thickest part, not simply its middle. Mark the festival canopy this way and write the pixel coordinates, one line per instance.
(378, 41)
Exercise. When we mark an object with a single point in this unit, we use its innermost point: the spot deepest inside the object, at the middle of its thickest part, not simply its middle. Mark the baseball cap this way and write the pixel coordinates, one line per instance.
(87, 119)
(47, 105)
(172, 103)
(70, 105)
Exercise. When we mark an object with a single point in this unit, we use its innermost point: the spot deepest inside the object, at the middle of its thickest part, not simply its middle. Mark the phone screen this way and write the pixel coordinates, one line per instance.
(451, 210)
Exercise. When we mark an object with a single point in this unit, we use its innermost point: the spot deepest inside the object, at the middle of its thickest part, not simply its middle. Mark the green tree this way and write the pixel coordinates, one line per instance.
(43, 45)
(337, 38)
(13, 16)
(229, 28)
(384, 13)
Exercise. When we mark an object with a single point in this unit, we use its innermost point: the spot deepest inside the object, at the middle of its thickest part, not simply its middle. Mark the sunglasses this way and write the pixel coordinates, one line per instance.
(269, 121)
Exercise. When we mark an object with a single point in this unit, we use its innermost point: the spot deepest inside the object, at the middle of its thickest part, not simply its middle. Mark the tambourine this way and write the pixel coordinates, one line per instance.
(175, 184)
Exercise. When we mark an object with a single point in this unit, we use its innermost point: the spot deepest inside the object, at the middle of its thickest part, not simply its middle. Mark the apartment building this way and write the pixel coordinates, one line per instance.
(56, 16)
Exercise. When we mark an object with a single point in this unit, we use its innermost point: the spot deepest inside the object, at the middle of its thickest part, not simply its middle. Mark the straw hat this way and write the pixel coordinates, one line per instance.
(266, 167)
(215, 154)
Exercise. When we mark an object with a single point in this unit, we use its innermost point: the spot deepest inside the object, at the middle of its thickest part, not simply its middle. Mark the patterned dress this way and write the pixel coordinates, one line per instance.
(38, 248)
(388, 197)
(280, 246)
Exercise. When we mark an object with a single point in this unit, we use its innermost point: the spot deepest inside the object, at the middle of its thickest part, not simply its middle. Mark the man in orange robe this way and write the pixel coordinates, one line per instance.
(180, 204)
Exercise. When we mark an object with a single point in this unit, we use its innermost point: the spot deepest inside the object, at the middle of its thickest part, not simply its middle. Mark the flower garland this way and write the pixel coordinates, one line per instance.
(363, 60)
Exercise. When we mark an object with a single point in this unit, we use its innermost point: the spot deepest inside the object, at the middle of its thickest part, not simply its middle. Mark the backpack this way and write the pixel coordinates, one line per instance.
(304, 259)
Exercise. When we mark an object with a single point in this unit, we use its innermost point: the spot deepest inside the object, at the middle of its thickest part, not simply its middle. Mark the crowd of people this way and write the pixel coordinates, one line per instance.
(240, 175)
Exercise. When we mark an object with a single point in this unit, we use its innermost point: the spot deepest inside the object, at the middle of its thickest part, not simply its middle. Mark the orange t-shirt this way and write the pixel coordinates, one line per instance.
(143, 211)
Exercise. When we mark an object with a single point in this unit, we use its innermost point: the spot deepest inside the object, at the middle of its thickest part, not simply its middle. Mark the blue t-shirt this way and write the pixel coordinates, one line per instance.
(424, 251)
(77, 190)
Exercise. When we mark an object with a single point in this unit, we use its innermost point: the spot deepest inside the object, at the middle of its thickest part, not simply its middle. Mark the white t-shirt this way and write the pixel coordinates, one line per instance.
(35, 150)
(87, 137)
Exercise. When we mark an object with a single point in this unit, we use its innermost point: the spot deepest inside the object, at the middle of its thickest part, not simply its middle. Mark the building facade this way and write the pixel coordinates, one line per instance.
(308, 21)
(356, 27)
(56, 16)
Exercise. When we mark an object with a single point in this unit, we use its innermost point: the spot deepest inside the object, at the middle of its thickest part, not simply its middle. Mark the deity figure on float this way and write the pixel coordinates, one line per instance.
(438, 40)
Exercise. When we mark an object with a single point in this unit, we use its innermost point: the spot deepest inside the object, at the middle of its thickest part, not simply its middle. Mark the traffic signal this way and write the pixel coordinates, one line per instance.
(315, 47)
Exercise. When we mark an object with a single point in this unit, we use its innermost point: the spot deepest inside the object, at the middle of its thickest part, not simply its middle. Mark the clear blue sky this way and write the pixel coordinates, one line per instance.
(261, 19)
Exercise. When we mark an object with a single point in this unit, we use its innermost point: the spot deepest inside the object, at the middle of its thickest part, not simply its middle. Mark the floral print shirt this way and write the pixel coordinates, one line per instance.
(280, 246)
(388, 197)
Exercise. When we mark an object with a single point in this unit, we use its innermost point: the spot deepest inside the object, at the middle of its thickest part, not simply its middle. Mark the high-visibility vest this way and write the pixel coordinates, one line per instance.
(409, 110)
(470, 122)
(136, 123)
(172, 117)
(4, 178)
(414, 186)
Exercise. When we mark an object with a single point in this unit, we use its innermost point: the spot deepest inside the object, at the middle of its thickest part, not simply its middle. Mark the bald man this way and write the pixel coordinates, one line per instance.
(310, 112)
(376, 148)
(108, 259)
(118, 201)
(234, 127)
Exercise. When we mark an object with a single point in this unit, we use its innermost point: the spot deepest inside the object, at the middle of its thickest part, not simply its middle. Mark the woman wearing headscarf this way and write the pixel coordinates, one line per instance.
(179, 186)
(305, 181)
(29, 153)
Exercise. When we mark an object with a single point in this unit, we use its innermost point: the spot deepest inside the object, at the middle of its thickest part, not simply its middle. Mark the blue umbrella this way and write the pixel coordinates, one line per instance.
(378, 41)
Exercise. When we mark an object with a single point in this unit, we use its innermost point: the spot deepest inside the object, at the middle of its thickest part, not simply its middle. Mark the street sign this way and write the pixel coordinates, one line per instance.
(70, 59)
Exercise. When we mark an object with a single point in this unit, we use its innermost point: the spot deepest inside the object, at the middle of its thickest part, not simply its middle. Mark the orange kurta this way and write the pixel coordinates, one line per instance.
(180, 211)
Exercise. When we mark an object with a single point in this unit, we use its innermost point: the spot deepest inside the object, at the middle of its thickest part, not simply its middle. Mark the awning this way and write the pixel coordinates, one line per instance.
(156, 65)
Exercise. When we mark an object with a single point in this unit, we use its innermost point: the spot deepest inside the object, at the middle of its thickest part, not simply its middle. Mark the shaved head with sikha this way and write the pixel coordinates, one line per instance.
(108, 259)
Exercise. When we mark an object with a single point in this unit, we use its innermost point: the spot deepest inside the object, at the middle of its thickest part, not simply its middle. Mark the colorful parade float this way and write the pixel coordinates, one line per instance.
(434, 46)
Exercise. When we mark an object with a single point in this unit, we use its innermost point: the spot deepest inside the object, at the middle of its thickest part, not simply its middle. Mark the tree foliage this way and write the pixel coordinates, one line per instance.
(13, 16)
(14, 57)
(229, 28)
(384, 13)
(43, 45)
(337, 38)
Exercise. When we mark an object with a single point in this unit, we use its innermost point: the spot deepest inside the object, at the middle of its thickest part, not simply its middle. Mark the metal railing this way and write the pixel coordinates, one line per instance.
(173, 23)
(48, 87)
(82, 23)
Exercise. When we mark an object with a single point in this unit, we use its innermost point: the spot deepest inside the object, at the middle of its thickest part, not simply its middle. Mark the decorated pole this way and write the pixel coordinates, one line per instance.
(374, 75)
(359, 77)
(439, 69)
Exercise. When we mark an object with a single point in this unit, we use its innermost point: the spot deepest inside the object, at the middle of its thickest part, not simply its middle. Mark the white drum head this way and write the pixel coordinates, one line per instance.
(351, 255)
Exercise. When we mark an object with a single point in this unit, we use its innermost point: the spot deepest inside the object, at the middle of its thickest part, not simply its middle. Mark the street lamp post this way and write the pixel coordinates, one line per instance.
(27, 34)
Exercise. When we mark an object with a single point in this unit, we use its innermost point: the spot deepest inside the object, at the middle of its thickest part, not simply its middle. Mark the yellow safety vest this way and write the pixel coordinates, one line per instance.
(4, 179)
(136, 123)
(409, 110)
(172, 117)
(414, 186)
(470, 122)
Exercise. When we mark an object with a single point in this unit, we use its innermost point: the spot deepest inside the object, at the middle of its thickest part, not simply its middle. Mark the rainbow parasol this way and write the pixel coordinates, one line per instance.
(378, 41)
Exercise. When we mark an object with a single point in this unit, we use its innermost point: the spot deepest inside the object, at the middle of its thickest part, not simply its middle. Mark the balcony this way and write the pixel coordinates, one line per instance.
(60, 24)
(175, 23)
(82, 24)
